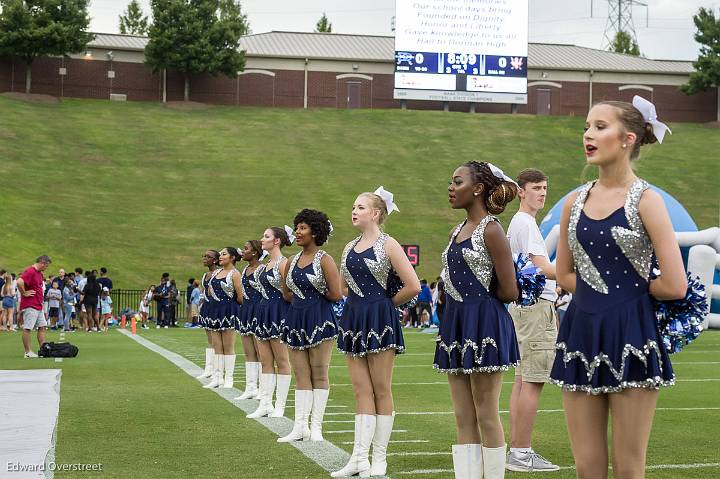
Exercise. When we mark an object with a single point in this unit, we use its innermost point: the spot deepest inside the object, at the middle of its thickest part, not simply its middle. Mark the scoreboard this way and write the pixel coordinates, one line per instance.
(461, 50)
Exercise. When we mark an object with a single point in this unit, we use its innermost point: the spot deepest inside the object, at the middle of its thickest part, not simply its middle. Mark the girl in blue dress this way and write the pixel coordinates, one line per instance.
(610, 359)
(370, 333)
(271, 315)
(312, 283)
(476, 339)
(220, 314)
(251, 253)
(210, 260)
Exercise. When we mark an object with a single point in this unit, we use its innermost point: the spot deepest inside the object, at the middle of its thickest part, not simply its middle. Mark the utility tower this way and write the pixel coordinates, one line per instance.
(620, 19)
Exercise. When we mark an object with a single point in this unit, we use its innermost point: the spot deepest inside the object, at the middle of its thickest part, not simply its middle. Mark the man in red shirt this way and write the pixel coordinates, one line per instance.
(30, 285)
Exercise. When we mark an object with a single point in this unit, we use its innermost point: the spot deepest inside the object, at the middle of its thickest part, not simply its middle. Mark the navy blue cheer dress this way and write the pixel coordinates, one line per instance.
(222, 310)
(370, 322)
(311, 319)
(247, 324)
(608, 340)
(271, 311)
(476, 333)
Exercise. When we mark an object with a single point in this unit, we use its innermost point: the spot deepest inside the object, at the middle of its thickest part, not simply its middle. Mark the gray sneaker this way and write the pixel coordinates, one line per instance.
(529, 462)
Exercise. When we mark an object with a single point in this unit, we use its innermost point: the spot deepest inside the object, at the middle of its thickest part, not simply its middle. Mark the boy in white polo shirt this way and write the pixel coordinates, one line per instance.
(535, 325)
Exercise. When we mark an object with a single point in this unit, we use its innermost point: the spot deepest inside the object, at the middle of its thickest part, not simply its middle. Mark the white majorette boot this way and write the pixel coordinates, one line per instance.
(303, 405)
(229, 371)
(283, 386)
(252, 371)
(493, 459)
(208, 372)
(217, 378)
(320, 399)
(359, 463)
(467, 461)
(383, 429)
(265, 407)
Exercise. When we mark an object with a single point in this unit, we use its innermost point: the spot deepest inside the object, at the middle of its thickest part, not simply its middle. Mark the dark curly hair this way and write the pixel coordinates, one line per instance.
(318, 222)
(497, 193)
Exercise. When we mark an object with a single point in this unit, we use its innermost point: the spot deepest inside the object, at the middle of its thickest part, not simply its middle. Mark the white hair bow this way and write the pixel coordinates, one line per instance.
(499, 173)
(263, 255)
(648, 112)
(388, 199)
(290, 234)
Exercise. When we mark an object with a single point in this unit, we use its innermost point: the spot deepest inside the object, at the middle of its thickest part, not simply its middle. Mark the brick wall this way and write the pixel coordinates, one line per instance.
(88, 79)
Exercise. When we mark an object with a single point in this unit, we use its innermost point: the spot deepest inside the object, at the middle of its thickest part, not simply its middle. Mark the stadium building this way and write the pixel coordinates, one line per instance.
(329, 70)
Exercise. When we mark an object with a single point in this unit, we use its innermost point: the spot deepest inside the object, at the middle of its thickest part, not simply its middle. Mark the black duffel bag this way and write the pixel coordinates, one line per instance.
(58, 350)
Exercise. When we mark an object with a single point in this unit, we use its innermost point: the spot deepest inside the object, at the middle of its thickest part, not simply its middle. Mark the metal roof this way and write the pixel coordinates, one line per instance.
(571, 57)
(118, 41)
(335, 46)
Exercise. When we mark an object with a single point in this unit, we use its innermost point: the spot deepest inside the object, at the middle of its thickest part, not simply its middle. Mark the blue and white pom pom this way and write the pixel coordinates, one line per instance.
(394, 286)
(338, 307)
(530, 281)
(680, 320)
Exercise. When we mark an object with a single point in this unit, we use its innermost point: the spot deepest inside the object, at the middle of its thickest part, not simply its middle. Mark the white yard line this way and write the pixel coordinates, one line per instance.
(448, 413)
(351, 431)
(445, 383)
(652, 467)
(325, 454)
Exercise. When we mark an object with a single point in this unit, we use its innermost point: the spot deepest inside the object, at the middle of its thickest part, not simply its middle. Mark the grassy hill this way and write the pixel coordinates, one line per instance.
(142, 189)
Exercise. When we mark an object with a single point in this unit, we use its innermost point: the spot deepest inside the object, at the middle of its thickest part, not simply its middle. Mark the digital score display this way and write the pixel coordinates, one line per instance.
(412, 251)
(461, 50)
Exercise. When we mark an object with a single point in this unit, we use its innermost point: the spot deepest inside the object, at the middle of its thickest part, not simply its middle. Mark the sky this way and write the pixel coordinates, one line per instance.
(664, 29)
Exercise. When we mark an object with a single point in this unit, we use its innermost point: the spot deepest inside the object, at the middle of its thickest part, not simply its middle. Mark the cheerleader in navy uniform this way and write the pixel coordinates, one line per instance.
(210, 260)
(610, 358)
(271, 315)
(312, 283)
(476, 339)
(251, 253)
(370, 333)
(221, 312)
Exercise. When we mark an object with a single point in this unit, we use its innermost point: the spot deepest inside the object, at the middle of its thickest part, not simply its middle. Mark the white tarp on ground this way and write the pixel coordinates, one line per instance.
(29, 406)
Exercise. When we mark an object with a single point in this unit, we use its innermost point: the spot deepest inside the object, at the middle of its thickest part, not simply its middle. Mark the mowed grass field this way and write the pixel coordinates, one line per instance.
(142, 189)
(139, 415)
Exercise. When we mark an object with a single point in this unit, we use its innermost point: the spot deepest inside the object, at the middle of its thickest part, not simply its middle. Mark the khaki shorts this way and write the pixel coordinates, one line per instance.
(33, 318)
(536, 330)
(193, 310)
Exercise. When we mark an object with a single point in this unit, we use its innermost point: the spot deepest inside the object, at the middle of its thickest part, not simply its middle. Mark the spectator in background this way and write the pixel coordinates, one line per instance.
(105, 308)
(188, 293)
(17, 317)
(423, 304)
(440, 302)
(104, 281)
(81, 282)
(89, 300)
(174, 301)
(145, 305)
(54, 297)
(30, 285)
(8, 301)
(46, 304)
(195, 296)
(69, 302)
(162, 297)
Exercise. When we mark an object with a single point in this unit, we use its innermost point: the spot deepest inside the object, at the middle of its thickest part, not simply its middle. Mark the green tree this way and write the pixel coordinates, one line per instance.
(624, 43)
(33, 28)
(132, 21)
(196, 36)
(707, 66)
(323, 25)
